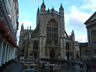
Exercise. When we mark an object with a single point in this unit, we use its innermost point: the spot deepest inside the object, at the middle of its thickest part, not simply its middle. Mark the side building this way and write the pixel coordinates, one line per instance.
(49, 39)
(8, 30)
(89, 48)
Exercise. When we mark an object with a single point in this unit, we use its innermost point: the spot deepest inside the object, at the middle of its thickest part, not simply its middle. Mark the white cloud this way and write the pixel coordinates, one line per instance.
(81, 38)
(89, 5)
(75, 21)
(27, 24)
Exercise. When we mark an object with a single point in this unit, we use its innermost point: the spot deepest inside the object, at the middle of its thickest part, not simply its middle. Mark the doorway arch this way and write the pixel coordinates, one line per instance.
(52, 54)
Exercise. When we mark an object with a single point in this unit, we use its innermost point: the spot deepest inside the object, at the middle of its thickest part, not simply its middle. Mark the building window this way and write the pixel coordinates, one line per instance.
(67, 46)
(35, 45)
(52, 31)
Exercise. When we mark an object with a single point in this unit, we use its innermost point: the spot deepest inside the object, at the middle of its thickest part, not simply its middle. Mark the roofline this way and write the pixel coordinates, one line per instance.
(90, 18)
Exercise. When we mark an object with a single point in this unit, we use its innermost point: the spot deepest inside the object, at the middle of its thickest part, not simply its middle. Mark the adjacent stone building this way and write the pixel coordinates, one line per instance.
(90, 47)
(8, 30)
(49, 39)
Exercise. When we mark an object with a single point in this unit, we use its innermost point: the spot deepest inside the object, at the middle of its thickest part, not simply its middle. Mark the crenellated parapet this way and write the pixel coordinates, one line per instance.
(43, 10)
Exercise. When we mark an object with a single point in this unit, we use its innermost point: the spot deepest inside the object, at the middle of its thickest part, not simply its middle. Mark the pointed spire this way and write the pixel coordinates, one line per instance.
(72, 32)
(38, 10)
(30, 27)
(48, 10)
(52, 10)
(61, 7)
(43, 8)
(61, 10)
(43, 4)
(73, 35)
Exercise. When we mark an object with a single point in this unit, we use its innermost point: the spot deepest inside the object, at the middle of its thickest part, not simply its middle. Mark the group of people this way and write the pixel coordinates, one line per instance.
(47, 69)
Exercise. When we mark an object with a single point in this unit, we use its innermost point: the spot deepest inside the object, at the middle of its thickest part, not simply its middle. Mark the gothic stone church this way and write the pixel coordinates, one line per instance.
(49, 39)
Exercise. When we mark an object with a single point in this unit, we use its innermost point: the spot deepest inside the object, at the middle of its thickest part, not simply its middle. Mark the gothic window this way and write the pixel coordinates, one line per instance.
(67, 46)
(35, 45)
(52, 31)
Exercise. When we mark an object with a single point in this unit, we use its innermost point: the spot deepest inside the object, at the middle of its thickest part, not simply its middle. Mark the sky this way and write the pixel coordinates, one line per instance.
(76, 12)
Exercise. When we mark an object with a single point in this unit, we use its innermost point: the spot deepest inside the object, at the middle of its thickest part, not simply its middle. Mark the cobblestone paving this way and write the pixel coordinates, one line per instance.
(18, 67)
(15, 67)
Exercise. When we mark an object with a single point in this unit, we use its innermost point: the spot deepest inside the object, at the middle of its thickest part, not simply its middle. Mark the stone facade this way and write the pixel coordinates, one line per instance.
(91, 29)
(90, 48)
(8, 30)
(49, 39)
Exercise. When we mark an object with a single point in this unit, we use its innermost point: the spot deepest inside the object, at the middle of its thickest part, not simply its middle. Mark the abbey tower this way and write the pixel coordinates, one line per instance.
(49, 39)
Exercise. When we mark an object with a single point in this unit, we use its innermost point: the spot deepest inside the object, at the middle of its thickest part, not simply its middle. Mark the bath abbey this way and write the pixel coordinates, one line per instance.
(48, 47)
(49, 39)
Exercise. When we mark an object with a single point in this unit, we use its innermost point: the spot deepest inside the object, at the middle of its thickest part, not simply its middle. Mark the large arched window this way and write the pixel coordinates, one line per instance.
(52, 31)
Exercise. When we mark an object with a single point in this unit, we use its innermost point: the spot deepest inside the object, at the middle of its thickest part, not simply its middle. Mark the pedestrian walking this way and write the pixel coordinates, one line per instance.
(88, 68)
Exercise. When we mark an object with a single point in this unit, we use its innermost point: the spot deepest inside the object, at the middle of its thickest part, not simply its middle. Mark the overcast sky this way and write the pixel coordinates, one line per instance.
(76, 12)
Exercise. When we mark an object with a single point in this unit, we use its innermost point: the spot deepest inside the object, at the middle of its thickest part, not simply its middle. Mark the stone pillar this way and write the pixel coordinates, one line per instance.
(43, 46)
(1, 51)
(14, 53)
(62, 49)
(9, 53)
(40, 48)
(5, 53)
(30, 49)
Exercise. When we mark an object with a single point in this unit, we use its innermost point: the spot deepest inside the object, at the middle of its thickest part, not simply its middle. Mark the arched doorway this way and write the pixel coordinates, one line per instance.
(34, 55)
(35, 44)
(67, 49)
(52, 54)
(35, 49)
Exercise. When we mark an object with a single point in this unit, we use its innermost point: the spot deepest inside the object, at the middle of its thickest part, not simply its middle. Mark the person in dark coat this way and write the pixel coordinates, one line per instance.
(51, 68)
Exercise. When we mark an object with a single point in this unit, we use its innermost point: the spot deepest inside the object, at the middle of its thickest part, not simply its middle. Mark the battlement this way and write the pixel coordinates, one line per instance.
(52, 11)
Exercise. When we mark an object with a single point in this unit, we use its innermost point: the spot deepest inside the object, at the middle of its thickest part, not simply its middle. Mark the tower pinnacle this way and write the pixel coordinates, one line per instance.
(43, 7)
(43, 4)
(61, 7)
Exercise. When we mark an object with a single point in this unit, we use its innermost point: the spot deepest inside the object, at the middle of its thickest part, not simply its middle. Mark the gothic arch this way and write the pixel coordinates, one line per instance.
(49, 18)
(52, 54)
(52, 31)
(35, 44)
(68, 48)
